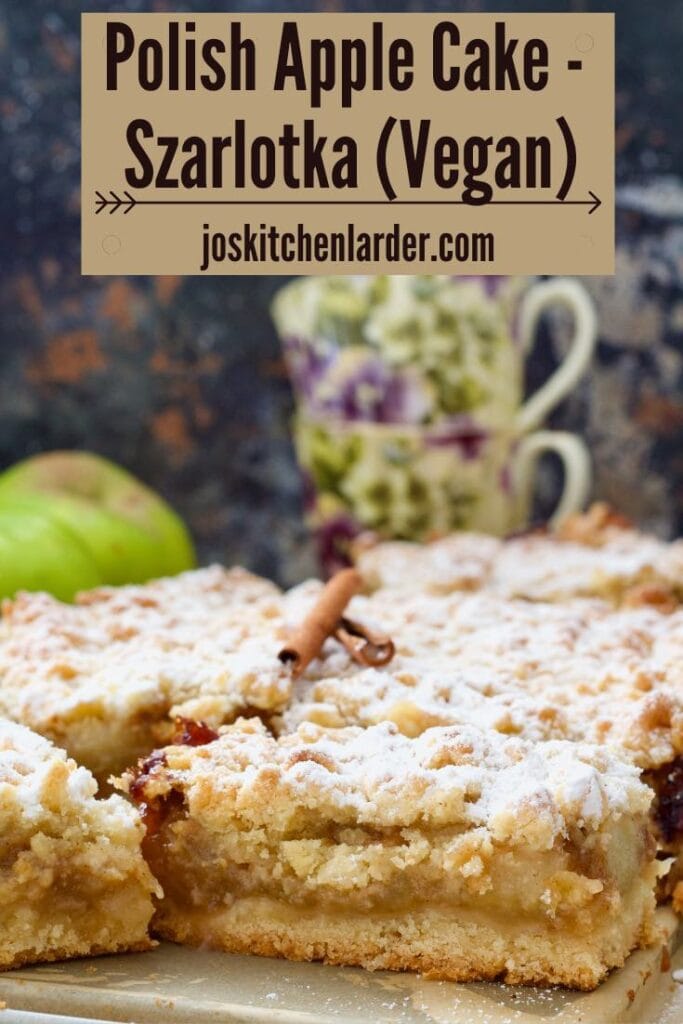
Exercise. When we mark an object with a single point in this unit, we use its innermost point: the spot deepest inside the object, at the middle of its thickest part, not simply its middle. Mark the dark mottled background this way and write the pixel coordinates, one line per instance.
(182, 380)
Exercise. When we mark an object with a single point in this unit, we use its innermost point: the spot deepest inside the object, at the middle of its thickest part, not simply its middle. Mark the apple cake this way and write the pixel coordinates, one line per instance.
(580, 670)
(460, 854)
(102, 676)
(596, 554)
(73, 881)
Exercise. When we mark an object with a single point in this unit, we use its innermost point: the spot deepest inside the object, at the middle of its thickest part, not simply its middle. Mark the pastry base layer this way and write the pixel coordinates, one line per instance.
(458, 946)
(70, 951)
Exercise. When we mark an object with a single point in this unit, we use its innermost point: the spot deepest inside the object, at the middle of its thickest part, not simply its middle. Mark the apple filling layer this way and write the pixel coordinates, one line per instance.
(51, 909)
(353, 845)
(360, 871)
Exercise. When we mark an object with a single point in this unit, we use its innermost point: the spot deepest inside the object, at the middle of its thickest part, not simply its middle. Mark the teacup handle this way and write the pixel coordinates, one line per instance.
(577, 470)
(561, 291)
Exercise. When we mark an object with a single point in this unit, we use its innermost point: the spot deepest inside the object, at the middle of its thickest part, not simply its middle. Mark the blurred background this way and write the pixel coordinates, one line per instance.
(181, 379)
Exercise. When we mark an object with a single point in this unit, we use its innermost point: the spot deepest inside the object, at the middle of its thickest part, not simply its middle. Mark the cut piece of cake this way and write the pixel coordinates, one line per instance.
(596, 554)
(581, 671)
(73, 881)
(102, 676)
(460, 854)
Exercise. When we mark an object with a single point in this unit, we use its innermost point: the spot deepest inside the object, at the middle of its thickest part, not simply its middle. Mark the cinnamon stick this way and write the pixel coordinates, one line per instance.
(321, 622)
(366, 646)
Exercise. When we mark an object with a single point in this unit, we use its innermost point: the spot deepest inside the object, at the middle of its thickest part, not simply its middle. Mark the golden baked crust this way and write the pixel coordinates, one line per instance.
(594, 554)
(367, 847)
(100, 676)
(73, 880)
(438, 945)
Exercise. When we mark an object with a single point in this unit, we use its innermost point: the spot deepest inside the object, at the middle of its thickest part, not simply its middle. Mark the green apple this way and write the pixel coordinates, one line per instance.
(39, 553)
(130, 533)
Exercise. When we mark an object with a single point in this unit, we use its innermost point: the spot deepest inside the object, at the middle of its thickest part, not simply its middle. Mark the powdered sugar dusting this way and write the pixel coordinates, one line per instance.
(123, 651)
(520, 792)
(39, 784)
(580, 670)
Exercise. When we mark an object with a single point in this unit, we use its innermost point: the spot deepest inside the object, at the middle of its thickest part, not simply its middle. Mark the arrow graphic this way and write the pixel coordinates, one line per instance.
(116, 203)
(596, 202)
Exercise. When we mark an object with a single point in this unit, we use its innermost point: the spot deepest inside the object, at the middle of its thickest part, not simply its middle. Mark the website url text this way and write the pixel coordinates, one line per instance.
(268, 244)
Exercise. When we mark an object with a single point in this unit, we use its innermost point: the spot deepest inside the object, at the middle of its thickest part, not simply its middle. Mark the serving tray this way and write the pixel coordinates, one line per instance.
(173, 984)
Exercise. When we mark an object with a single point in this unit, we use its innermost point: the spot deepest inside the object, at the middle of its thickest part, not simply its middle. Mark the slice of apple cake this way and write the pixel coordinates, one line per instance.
(101, 677)
(581, 671)
(461, 854)
(73, 881)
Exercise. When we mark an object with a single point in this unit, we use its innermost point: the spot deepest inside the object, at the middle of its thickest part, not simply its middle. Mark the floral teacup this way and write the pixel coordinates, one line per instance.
(415, 483)
(410, 419)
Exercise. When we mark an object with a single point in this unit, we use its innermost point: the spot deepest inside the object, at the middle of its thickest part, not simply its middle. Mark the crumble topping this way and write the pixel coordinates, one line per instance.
(210, 635)
(520, 793)
(542, 567)
(461, 561)
(594, 554)
(580, 671)
(43, 791)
